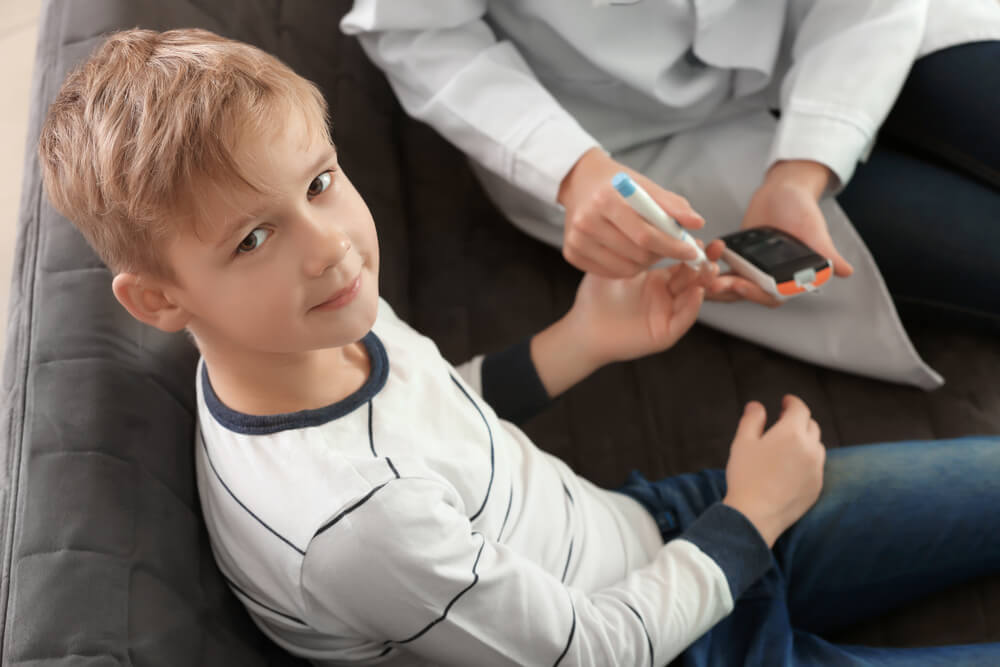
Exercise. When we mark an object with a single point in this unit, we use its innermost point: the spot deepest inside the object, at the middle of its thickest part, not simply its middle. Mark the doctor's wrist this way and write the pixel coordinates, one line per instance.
(585, 176)
(815, 177)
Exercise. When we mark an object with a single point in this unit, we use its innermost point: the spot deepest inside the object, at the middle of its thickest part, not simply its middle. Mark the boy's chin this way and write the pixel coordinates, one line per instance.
(360, 324)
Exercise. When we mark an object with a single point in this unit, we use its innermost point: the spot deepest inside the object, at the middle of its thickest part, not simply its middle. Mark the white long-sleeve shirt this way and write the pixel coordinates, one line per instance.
(409, 524)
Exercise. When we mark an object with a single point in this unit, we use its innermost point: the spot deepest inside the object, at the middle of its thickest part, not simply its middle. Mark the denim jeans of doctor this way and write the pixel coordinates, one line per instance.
(927, 200)
(893, 523)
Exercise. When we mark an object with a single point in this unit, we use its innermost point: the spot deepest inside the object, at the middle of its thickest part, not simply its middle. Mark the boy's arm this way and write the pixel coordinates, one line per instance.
(407, 572)
(562, 357)
(611, 320)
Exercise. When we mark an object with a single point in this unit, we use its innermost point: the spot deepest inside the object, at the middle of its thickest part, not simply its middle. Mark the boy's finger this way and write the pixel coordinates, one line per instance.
(813, 430)
(708, 272)
(685, 311)
(715, 249)
(683, 279)
(753, 421)
(795, 411)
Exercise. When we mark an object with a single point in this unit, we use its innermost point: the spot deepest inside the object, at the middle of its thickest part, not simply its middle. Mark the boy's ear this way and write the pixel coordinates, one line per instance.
(146, 300)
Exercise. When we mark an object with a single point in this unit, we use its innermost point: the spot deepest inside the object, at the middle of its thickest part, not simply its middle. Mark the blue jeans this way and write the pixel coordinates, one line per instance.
(894, 522)
(927, 201)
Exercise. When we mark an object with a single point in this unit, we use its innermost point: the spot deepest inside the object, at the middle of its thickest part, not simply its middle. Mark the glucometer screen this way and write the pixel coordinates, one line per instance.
(774, 250)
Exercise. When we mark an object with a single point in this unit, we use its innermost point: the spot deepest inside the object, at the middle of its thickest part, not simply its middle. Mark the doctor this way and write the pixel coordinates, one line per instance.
(751, 112)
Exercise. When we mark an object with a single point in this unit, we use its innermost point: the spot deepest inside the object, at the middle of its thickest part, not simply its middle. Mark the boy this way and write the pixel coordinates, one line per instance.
(367, 502)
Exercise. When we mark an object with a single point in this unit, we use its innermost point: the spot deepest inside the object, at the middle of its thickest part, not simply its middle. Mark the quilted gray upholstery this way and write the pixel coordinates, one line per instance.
(105, 559)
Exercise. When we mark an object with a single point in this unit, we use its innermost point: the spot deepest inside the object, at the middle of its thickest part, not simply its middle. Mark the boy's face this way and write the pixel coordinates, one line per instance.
(288, 271)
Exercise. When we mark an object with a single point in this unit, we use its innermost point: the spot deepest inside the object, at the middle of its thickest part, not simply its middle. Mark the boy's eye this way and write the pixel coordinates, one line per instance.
(320, 184)
(253, 240)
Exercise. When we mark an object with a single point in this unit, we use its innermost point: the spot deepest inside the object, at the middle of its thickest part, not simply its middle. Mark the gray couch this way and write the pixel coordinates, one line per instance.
(105, 558)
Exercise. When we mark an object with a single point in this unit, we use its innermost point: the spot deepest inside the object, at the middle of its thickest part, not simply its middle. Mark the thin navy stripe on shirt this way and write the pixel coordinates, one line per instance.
(489, 432)
(566, 489)
(510, 503)
(371, 436)
(572, 631)
(569, 557)
(648, 640)
(475, 580)
(334, 520)
(240, 502)
(260, 604)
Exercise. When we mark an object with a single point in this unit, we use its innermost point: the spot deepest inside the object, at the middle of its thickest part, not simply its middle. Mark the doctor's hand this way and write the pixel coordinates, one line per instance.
(789, 200)
(603, 235)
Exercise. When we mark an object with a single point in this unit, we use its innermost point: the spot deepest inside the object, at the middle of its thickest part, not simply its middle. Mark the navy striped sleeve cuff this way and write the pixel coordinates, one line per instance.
(733, 543)
(511, 384)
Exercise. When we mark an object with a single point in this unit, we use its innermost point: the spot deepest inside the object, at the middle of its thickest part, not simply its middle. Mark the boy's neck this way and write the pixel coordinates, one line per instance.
(287, 383)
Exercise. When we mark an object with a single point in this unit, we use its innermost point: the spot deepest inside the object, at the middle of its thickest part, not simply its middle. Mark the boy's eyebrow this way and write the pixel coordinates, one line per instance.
(239, 223)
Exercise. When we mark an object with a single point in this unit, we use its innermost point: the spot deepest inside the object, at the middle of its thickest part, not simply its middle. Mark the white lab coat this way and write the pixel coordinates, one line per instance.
(680, 90)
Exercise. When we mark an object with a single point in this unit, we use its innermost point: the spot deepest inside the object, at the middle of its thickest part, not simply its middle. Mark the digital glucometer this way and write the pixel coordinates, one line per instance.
(779, 263)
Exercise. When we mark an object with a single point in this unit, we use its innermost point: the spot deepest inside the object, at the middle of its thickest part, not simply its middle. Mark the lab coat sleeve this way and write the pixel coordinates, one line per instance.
(448, 69)
(849, 62)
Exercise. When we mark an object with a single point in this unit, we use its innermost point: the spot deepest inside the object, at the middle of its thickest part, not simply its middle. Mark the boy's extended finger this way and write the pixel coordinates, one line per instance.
(708, 272)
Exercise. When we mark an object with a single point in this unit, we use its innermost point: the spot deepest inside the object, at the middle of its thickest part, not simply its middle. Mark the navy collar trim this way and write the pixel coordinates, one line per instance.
(240, 422)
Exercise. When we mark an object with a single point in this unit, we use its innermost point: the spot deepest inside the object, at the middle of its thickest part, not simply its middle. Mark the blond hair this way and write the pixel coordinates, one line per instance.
(147, 122)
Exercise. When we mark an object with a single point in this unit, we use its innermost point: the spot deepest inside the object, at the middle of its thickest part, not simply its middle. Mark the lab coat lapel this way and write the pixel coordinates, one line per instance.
(741, 35)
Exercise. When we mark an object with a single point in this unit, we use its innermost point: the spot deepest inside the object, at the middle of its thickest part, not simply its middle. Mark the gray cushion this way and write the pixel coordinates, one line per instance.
(105, 558)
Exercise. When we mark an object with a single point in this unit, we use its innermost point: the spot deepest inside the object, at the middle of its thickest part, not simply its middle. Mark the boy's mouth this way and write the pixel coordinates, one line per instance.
(341, 297)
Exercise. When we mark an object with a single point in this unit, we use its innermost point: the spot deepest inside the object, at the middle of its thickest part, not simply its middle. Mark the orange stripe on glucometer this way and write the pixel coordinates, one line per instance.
(790, 288)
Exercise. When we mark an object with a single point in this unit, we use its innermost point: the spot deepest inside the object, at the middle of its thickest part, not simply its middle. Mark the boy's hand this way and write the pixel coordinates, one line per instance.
(626, 318)
(773, 477)
(614, 319)
(603, 235)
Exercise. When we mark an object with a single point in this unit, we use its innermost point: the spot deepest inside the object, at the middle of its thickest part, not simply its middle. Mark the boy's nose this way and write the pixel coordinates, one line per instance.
(325, 250)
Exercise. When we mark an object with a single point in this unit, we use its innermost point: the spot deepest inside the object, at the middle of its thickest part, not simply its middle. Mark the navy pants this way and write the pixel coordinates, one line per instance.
(927, 201)
(894, 522)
